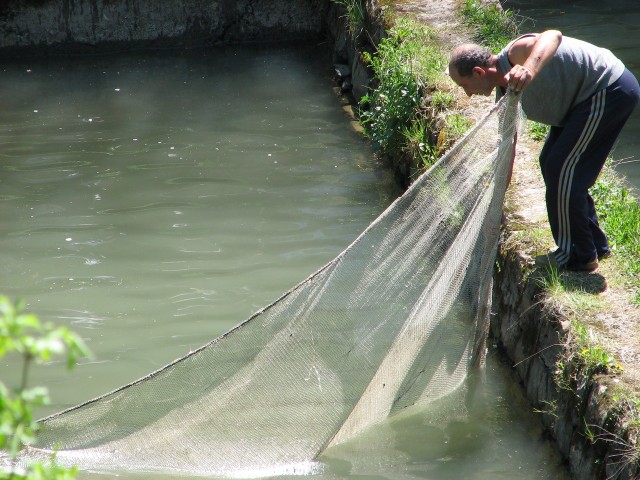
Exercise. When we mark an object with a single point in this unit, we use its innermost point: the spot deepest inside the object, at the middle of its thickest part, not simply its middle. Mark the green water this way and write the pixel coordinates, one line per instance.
(151, 201)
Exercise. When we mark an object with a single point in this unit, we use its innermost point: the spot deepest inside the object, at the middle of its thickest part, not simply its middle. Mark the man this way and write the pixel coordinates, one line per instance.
(586, 95)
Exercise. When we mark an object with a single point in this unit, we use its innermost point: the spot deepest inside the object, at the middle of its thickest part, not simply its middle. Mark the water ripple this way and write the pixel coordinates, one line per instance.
(146, 207)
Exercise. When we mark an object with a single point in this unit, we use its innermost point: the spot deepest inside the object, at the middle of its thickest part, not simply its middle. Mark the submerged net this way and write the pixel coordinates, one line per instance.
(398, 318)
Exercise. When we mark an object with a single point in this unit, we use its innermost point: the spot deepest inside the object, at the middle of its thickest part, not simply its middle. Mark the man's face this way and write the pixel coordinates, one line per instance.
(477, 83)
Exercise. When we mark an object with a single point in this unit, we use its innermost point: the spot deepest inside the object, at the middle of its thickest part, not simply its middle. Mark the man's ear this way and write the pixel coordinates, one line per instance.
(478, 72)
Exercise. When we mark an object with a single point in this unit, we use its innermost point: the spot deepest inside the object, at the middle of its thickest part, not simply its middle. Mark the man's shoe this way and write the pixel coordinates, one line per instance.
(549, 261)
(590, 266)
(603, 255)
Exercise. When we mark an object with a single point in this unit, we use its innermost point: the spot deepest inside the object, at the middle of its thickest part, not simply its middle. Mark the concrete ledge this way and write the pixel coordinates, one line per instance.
(74, 24)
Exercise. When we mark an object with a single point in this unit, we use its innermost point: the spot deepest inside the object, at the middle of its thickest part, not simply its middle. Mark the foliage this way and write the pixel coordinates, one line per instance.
(619, 215)
(355, 15)
(455, 126)
(538, 131)
(583, 356)
(24, 335)
(417, 143)
(494, 26)
(402, 107)
(589, 353)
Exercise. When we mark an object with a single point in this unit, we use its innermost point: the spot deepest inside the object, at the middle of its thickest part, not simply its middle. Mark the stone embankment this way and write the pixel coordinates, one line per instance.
(87, 25)
(581, 416)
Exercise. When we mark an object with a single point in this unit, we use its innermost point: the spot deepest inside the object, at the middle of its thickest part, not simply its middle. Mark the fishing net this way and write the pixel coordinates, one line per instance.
(397, 319)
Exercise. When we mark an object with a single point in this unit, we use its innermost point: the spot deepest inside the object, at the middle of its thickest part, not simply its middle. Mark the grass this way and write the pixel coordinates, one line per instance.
(355, 15)
(537, 131)
(494, 26)
(583, 356)
(455, 126)
(588, 351)
(619, 216)
(401, 112)
(570, 292)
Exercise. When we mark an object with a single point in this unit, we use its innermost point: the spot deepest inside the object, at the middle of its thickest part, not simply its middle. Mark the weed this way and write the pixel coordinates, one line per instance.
(409, 91)
(588, 433)
(418, 144)
(593, 356)
(583, 354)
(355, 16)
(551, 408)
(626, 451)
(619, 216)
(455, 126)
(441, 100)
(583, 357)
(494, 26)
(537, 131)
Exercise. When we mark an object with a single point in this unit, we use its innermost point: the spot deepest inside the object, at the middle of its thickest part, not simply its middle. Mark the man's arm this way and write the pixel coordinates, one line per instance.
(529, 55)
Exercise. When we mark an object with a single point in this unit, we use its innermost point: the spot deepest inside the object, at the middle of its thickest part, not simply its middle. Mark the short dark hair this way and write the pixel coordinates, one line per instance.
(465, 57)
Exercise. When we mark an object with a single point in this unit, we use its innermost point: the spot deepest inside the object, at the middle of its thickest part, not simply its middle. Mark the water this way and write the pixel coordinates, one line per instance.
(151, 201)
(614, 24)
(171, 196)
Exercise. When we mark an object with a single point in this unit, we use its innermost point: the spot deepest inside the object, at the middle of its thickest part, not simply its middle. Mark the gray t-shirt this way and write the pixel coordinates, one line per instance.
(576, 72)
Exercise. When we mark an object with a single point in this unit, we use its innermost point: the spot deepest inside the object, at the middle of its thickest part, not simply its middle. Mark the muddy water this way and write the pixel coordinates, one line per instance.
(152, 201)
(614, 24)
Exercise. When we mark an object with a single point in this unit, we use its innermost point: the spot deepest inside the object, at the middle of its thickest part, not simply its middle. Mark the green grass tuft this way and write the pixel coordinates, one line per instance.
(619, 216)
(537, 131)
(400, 111)
(494, 26)
(355, 15)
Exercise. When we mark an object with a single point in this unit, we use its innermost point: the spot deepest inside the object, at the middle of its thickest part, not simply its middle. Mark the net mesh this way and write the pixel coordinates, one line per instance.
(398, 318)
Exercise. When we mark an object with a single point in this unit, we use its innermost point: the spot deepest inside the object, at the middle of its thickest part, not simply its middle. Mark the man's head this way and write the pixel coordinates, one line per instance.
(473, 68)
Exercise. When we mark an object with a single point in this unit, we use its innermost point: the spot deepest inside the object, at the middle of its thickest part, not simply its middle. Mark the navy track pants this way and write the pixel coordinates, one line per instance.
(571, 160)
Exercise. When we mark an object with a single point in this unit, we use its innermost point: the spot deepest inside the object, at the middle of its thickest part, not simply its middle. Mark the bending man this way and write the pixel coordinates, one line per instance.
(586, 95)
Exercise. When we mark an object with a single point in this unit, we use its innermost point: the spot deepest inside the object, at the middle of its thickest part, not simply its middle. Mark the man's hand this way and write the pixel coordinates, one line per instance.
(529, 55)
(518, 78)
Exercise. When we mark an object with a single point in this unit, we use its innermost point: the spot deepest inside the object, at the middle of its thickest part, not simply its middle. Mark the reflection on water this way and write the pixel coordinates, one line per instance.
(153, 201)
(614, 24)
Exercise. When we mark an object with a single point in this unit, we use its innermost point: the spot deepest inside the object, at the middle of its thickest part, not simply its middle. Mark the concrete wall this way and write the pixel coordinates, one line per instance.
(73, 24)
